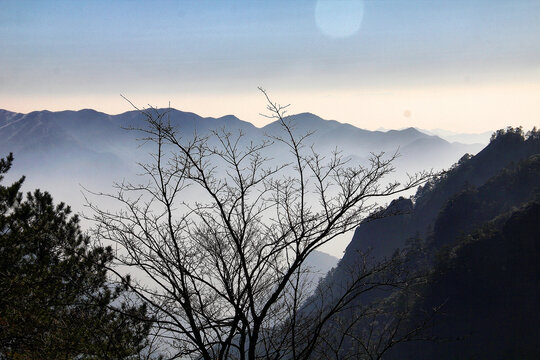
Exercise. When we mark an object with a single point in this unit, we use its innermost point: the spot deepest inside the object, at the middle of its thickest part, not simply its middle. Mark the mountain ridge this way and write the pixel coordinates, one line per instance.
(96, 144)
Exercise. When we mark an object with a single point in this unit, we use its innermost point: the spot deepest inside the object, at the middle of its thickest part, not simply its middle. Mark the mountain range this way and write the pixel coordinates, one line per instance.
(452, 136)
(65, 152)
(465, 138)
(474, 227)
(94, 149)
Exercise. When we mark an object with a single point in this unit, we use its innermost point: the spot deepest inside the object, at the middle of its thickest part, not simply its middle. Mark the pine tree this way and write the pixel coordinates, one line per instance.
(55, 299)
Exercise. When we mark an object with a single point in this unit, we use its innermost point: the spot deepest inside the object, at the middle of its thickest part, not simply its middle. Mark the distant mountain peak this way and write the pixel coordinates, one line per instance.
(305, 117)
(228, 118)
(408, 130)
(305, 114)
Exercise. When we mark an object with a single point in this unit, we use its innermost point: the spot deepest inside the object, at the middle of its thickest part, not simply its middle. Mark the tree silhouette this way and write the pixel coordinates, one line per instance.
(224, 274)
(54, 293)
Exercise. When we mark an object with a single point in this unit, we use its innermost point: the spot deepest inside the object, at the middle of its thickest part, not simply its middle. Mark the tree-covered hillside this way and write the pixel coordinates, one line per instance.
(488, 288)
(472, 237)
(384, 236)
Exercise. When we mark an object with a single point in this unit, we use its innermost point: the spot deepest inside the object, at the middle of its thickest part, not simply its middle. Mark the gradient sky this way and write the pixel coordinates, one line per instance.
(460, 65)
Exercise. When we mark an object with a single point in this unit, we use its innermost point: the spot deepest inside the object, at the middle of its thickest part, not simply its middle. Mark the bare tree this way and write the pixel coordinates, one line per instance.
(224, 273)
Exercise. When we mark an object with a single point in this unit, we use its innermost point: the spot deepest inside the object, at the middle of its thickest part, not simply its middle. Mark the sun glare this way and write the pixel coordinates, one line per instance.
(339, 19)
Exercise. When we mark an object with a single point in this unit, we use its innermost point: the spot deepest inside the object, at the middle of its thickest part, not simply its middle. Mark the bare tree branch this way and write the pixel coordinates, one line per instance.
(225, 274)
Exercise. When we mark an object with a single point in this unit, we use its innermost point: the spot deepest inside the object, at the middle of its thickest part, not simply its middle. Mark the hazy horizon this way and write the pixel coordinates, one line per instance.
(396, 215)
(442, 133)
(457, 65)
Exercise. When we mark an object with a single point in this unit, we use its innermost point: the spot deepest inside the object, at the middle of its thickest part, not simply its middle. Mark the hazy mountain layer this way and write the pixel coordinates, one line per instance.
(60, 150)
(465, 138)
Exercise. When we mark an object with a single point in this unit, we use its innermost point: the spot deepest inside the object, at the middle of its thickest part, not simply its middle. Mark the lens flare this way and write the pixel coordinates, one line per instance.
(339, 18)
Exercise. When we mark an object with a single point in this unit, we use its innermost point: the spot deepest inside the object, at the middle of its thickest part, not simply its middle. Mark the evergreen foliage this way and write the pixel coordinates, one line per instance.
(54, 295)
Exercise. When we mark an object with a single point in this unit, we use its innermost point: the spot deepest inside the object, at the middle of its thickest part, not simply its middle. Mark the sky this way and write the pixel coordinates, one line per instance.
(466, 66)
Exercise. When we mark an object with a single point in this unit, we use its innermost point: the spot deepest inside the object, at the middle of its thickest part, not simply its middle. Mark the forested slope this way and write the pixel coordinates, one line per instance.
(473, 238)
